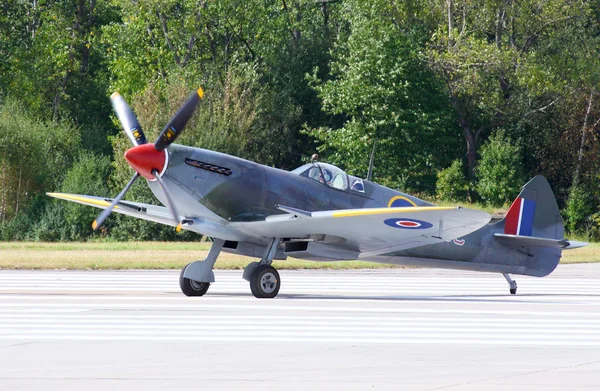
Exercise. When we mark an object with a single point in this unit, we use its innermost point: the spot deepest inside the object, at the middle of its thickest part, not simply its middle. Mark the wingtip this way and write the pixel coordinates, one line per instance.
(94, 225)
(179, 228)
(200, 93)
(114, 95)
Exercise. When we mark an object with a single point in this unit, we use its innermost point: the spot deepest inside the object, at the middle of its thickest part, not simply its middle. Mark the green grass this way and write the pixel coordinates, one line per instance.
(138, 255)
(173, 255)
(588, 254)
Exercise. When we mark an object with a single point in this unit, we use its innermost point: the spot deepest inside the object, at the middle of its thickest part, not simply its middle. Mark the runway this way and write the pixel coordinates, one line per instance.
(406, 329)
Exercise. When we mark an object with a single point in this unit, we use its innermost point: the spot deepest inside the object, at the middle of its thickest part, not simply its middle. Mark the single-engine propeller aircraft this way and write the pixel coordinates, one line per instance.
(318, 212)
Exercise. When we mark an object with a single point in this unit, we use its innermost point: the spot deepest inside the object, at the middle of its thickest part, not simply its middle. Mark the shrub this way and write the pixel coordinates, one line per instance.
(452, 185)
(33, 158)
(63, 220)
(499, 170)
(579, 211)
(52, 226)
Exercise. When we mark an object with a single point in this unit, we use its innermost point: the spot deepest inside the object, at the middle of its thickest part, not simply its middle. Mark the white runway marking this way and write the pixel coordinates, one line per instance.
(109, 306)
(388, 329)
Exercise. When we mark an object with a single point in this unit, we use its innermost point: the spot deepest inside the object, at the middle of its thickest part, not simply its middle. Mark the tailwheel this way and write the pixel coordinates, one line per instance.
(511, 283)
(192, 287)
(265, 282)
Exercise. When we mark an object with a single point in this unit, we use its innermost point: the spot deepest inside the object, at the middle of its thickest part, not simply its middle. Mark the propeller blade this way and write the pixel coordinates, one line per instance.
(170, 203)
(177, 123)
(106, 212)
(128, 120)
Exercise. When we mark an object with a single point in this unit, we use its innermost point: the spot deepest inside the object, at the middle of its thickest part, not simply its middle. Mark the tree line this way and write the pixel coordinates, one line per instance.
(463, 101)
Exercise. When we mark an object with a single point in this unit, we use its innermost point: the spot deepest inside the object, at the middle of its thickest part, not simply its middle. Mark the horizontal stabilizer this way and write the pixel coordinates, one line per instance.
(530, 241)
(575, 244)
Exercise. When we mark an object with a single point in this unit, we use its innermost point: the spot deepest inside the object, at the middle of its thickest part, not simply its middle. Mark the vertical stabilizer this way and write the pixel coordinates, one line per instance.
(535, 212)
(534, 229)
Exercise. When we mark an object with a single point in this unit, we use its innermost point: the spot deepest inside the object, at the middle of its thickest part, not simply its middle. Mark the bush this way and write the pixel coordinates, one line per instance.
(579, 211)
(17, 228)
(52, 226)
(89, 175)
(64, 220)
(452, 185)
(33, 158)
(500, 170)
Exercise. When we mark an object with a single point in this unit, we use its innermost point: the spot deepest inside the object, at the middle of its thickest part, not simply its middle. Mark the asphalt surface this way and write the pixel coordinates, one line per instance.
(355, 330)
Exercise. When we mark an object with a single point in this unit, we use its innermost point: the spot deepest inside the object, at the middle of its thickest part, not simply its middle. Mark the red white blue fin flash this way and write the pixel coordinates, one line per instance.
(519, 219)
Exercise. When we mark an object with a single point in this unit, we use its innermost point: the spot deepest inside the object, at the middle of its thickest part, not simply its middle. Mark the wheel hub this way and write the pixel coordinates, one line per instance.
(198, 286)
(268, 282)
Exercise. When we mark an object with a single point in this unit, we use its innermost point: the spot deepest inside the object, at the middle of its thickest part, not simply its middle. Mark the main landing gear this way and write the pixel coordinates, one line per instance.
(512, 283)
(263, 278)
(196, 277)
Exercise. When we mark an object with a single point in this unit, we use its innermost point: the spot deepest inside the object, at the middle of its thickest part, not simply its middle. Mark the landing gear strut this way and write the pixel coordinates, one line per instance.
(263, 278)
(196, 277)
(512, 283)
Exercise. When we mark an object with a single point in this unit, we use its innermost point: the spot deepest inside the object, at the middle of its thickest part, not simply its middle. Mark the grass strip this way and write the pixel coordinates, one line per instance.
(173, 255)
(138, 255)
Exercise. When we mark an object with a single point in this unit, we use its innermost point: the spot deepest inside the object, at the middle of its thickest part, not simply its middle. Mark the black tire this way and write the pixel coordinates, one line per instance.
(513, 291)
(191, 287)
(265, 282)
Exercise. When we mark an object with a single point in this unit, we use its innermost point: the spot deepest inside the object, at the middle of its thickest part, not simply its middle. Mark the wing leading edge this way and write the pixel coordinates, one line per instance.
(157, 214)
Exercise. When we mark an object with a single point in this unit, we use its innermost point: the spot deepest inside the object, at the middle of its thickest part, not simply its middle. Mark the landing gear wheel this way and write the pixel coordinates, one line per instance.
(512, 284)
(191, 287)
(265, 282)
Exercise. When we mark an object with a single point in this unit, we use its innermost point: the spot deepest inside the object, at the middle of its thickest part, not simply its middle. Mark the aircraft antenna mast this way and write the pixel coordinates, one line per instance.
(371, 160)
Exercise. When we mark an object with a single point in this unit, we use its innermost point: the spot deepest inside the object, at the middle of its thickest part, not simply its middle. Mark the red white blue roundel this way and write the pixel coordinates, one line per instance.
(408, 223)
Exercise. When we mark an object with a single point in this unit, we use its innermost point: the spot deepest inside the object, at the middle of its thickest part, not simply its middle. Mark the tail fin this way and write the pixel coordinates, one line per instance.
(533, 228)
(535, 212)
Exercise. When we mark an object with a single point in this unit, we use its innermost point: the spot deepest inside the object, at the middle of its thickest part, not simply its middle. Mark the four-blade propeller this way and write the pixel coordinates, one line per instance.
(146, 159)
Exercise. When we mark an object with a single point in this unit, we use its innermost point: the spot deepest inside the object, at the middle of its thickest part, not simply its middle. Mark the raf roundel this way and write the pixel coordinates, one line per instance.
(408, 223)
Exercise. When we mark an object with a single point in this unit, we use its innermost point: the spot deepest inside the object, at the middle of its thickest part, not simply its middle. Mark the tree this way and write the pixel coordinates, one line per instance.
(381, 85)
(489, 55)
(56, 64)
(33, 158)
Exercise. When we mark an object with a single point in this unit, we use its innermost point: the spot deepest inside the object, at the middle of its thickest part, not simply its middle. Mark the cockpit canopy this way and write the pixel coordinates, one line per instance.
(331, 176)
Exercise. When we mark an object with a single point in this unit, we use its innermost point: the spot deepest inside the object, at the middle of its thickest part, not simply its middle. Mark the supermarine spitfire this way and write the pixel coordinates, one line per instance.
(318, 212)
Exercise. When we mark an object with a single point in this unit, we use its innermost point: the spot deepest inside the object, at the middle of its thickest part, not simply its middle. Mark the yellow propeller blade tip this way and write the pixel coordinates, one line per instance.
(200, 93)
(179, 227)
(94, 225)
(115, 94)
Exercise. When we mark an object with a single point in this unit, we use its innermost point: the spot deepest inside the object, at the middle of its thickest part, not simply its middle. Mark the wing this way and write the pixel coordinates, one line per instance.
(157, 214)
(372, 231)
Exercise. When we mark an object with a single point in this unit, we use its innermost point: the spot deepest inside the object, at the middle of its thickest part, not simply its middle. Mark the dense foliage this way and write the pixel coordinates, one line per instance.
(463, 100)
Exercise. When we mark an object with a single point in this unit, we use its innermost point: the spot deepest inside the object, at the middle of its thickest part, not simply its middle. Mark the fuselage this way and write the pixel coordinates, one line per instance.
(236, 190)
(224, 190)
